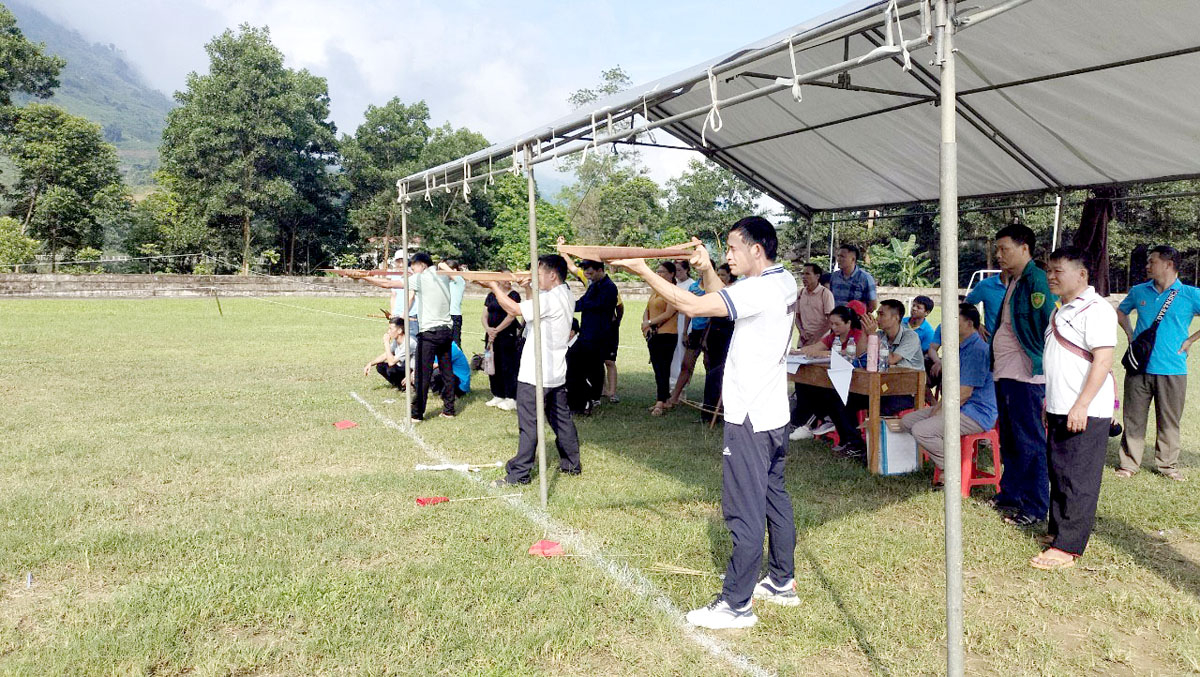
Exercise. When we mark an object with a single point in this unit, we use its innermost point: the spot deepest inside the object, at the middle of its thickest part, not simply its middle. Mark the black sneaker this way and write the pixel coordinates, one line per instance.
(570, 471)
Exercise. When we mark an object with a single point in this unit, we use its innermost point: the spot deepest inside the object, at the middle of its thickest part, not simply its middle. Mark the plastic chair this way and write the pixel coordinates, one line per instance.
(972, 476)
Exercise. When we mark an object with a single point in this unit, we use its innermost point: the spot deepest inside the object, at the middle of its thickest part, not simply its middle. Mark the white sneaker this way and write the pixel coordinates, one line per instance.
(507, 405)
(493, 402)
(720, 616)
(801, 433)
(783, 595)
(824, 427)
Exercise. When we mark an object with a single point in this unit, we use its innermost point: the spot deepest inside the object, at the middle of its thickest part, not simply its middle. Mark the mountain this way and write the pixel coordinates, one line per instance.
(100, 85)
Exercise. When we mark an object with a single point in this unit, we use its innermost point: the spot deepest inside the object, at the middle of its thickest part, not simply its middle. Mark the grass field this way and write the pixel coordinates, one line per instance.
(172, 481)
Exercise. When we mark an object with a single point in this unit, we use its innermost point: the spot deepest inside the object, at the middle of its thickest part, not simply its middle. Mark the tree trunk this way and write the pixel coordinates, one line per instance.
(29, 212)
(291, 253)
(387, 236)
(246, 245)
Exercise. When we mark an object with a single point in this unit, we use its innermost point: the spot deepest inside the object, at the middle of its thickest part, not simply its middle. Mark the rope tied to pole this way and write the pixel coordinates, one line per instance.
(593, 144)
(892, 27)
(516, 163)
(466, 191)
(446, 180)
(796, 93)
(713, 119)
(428, 197)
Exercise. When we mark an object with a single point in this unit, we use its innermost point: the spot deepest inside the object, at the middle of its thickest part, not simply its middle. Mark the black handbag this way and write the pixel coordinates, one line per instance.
(1137, 356)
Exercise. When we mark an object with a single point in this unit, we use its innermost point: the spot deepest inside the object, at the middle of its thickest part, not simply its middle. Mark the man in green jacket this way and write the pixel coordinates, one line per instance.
(1017, 344)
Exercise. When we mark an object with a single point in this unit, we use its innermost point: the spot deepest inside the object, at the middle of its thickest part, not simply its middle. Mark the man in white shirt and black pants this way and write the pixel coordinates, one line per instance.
(1079, 405)
(557, 309)
(753, 498)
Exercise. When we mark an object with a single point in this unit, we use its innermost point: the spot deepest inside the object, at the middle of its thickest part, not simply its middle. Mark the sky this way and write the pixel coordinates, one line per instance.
(499, 68)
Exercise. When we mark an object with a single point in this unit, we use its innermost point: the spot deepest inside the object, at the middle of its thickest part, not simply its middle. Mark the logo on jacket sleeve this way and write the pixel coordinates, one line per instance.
(1038, 299)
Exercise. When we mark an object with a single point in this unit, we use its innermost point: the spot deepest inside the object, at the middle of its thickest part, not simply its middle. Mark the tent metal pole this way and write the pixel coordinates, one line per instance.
(538, 388)
(1057, 221)
(950, 341)
(408, 340)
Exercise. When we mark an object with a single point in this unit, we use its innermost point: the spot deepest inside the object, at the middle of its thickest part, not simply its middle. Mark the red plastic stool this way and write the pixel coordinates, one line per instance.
(972, 476)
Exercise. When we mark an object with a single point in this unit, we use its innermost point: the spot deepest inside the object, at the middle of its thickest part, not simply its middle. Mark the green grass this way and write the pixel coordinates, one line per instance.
(172, 480)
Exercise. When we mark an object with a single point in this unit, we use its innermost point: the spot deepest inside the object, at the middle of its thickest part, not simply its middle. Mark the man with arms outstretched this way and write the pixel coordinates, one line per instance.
(753, 498)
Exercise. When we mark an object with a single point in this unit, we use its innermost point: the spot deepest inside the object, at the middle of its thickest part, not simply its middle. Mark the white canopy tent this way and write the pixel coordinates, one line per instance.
(853, 110)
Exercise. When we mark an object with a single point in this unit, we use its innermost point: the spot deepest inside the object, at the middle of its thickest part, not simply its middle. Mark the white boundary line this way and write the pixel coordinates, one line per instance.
(628, 577)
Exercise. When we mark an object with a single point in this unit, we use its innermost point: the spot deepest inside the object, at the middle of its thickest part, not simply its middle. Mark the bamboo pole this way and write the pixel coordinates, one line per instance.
(950, 341)
(538, 388)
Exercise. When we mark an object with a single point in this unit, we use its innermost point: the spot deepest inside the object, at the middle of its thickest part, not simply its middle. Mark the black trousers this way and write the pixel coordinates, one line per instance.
(508, 363)
(435, 382)
(558, 415)
(754, 501)
(434, 343)
(456, 329)
(1076, 468)
(394, 375)
(811, 401)
(585, 374)
(662, 351)
(714, 376)
(845, 416)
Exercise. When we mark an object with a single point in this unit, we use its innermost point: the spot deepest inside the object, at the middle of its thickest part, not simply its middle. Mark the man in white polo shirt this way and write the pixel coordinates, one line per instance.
(1078, 359)
(753, 498)
(557, 310)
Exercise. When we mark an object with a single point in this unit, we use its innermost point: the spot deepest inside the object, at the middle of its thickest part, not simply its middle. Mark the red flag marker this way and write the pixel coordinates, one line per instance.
(546, 549)
(432, 500)
(342, 425)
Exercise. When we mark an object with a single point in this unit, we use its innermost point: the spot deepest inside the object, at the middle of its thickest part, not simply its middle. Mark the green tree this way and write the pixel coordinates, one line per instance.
(447, 225)
(250, 139)
(164, 225)
(385, 147)
(899, 264)
(24, 67)
(15, 246)
(509, 200)
(707, 198)
(68, 185)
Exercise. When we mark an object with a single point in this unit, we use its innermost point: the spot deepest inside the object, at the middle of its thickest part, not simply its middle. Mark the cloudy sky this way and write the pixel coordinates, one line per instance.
(499, 68)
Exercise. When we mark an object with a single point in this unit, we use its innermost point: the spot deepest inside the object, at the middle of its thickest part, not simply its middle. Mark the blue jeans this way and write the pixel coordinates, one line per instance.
(1025, 482)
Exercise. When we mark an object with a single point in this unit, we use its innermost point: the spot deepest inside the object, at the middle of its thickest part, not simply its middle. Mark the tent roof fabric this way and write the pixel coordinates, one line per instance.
(1053, 94)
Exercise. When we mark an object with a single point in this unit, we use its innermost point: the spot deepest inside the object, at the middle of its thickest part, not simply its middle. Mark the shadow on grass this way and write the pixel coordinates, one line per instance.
(860, 635)
(1152, 552)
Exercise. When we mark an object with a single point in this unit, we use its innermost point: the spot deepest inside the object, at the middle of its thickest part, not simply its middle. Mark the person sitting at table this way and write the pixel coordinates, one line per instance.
(976, 391)
(809, 414)
(904, 351)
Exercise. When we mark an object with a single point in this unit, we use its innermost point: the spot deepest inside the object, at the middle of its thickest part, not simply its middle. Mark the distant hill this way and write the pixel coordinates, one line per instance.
(100, 85)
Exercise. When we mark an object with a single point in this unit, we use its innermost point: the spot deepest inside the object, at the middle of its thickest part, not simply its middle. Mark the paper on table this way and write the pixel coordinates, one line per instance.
(795, 360)
(840, 372)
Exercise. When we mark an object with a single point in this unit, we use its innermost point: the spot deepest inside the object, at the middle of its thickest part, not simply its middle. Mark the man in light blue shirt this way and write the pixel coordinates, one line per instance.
(1165, 379)
(849, 282)
(977, 391)
(990, 292)
(458, 287)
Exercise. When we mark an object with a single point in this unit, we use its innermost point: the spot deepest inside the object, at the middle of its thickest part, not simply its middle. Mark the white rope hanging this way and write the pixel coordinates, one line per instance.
(466, 190)
(713, 119)
(490, 179)
(516, 167)
(796, 94)
(891, 19)
(446, 180)
(428, 198)
(593, 144)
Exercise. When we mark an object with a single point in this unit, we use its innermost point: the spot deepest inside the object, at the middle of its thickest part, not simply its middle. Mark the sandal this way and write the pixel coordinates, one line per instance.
(657, 410)
(1175, 475)
(1123, 473)
(1053, 563)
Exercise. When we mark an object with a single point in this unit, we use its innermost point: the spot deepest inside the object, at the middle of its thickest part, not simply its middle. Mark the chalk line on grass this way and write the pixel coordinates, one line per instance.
(627, 576)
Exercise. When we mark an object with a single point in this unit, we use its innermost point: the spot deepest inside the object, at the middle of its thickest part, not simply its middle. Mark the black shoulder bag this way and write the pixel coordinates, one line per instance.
(1137, 356)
